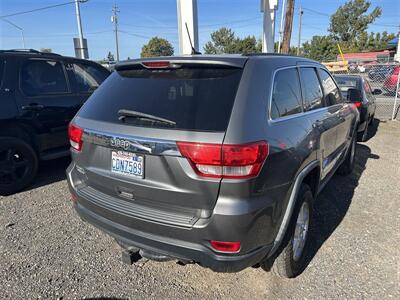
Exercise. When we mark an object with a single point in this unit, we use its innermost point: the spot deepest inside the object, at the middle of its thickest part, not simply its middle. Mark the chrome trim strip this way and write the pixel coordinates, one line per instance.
(289, 209)
(131, 143)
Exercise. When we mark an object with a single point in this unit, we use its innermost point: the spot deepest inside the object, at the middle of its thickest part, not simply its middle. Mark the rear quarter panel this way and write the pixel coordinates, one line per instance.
(291, 148)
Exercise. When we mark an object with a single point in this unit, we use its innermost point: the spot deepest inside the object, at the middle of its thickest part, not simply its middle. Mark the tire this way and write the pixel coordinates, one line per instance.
(18, 165)
(348, 164)
(291, 261)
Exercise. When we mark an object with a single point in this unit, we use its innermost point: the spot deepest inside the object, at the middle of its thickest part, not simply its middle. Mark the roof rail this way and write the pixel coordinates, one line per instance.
(28, 51)
(268, 54)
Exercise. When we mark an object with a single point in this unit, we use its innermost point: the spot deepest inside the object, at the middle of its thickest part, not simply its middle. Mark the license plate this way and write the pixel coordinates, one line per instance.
(127, 163)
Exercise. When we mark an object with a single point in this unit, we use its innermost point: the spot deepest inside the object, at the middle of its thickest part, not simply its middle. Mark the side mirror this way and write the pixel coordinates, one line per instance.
(354, 95)
(376, 92)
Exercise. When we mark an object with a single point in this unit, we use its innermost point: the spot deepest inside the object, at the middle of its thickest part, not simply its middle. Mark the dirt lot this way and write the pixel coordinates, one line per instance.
(46, 251)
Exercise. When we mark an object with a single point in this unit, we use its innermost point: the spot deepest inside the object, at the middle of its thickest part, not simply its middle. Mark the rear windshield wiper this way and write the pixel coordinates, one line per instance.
(126, 113)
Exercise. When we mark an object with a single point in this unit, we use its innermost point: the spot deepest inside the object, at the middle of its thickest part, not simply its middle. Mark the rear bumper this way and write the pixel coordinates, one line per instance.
(175, 249)
(252, 227)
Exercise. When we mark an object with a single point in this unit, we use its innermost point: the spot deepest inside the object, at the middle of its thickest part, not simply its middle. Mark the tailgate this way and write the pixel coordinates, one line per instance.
(134, 160)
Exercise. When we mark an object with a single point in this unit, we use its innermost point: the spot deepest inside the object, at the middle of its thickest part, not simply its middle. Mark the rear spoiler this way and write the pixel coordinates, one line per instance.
(165, 62)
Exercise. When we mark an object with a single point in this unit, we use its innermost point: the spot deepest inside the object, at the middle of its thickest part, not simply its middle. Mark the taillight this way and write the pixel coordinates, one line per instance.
(75, 136)
(225, 246)
(156, 64)
(225, 161)
(358, 104)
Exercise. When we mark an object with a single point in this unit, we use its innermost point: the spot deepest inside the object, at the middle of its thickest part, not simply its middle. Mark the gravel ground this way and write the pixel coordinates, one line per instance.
(46, 251)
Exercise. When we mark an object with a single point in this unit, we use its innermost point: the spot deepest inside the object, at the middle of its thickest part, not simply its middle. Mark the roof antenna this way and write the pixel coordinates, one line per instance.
(190, 40)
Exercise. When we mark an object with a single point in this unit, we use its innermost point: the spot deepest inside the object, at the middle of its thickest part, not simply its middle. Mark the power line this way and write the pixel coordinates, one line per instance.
(134, 34)
(316, 12)
(39, 9)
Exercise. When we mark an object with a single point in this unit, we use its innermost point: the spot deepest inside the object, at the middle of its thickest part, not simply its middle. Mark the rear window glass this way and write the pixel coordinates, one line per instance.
(191, 98)
(345, 84)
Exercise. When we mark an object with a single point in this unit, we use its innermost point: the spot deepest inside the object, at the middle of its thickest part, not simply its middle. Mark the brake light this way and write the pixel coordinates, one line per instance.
(225, 246)
(225, 161)
(358, 104)
(75, 136)
(156, 64)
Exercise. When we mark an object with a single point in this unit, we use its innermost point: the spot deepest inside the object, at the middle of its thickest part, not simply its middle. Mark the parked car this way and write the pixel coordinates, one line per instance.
(380, 72)
(357, 90)
(390, 85)
(39, 95)
(214, 160)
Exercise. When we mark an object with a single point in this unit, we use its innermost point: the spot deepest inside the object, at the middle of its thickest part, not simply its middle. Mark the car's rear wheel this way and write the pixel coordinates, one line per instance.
(18, 165)
(291, 261)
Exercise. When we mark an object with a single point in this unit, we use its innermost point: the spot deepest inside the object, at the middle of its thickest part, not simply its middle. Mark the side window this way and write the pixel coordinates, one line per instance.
(42, 77)
(312, 93)
(331, 91)
(286, 94)
(88, 77)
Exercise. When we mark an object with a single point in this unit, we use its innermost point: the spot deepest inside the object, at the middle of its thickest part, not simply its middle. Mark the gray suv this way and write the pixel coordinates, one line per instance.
(214, 160)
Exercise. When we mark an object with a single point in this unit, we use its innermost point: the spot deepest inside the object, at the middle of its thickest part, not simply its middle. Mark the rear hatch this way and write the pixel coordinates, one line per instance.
(130, 159)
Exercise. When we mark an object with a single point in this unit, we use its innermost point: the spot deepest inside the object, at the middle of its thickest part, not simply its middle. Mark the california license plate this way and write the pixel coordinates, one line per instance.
(127, 163)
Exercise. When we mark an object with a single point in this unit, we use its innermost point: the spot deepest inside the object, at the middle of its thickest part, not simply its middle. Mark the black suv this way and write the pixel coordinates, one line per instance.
(214, 160)
(39, 95)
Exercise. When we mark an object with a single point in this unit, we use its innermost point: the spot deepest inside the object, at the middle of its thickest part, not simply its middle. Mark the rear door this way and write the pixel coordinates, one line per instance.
(45, 99)
(323, 119)
(195, 98)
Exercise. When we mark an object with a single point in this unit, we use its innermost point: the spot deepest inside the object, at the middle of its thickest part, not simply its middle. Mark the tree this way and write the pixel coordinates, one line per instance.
(46, 50)
(350, 22)
(348, 27)
(321, 48)
(224, 41)
(157, 47)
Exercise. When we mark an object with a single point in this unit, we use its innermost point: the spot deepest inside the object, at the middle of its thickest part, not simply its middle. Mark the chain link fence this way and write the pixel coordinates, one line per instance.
(381, 76)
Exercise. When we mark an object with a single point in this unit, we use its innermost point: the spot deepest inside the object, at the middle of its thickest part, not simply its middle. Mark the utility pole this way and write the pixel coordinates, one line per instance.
(114, 19)
(287, 32)
(19, 28)
(268, 8)
(78, 19)
(299, 35)
(281, 26)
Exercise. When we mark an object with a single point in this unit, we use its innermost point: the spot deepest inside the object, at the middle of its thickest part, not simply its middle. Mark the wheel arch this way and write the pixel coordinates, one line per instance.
(310, 174)
(21, 131)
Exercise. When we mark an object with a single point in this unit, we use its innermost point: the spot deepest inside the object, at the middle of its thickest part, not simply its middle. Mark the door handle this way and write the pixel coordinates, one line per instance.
(33, 106)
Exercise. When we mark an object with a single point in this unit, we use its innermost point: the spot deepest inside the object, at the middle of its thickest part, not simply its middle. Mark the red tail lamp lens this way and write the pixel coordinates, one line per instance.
(225, 246)
(225, 161)
(358, 104)
(75, 136)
